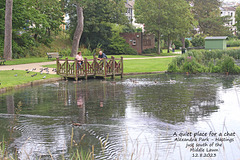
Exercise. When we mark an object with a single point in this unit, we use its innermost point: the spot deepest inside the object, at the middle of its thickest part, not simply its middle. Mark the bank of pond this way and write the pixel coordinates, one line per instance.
(206, 61)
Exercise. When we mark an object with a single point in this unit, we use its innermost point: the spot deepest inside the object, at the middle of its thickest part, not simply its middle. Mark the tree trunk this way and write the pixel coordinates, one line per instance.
(8, 30)
(159, 43)
(183, 43)
(78, 31)
(168, 44)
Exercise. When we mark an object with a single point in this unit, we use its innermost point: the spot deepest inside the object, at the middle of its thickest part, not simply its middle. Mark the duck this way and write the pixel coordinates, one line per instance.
(76, 124)
(172, 81)
(113, 82)
(103, 81)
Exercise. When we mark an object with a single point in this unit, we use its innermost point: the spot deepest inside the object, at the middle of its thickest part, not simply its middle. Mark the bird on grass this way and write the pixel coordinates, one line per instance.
(33, 75)
(44, 77)
(15, 75)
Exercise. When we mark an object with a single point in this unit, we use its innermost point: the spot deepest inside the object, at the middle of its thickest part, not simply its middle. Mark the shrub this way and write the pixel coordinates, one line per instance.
(233, 43)
(215, 61)
(187, 43)
(151, 50)
(177, 44)
(118, 45)
(198, 41)
(227, 64)
(65, 52)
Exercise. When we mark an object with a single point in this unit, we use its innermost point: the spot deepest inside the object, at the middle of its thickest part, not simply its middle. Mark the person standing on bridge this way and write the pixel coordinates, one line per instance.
(101, 55)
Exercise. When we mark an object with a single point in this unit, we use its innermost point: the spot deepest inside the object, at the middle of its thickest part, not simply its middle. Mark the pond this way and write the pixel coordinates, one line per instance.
(165, 116)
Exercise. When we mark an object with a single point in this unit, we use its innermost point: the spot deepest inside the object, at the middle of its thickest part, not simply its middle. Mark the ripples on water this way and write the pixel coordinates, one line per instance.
(135, 116)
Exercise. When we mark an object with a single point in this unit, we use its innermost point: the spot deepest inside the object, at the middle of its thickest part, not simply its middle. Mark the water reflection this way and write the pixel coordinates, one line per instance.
(10, 104)
(141, 110)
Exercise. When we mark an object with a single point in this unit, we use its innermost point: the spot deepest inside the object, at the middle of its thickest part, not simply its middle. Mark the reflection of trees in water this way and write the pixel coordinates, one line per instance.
(187, 99)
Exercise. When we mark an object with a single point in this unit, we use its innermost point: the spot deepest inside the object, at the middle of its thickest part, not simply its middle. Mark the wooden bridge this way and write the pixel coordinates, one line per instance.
(90, 68)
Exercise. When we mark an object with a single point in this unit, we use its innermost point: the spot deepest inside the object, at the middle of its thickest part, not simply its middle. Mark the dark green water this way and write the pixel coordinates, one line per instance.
(137, 115)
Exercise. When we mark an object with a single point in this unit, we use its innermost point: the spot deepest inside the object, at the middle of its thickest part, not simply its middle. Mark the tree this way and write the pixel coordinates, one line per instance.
(207, 13)
(97, 14)
(78, 31)
(181, 21)
(164, 18)
(32, 23)
(237, 16)
(153, 15)
(8, 30)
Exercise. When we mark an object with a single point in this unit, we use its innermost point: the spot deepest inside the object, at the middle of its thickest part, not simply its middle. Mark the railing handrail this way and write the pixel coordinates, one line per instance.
(109, 67)
(87, 59)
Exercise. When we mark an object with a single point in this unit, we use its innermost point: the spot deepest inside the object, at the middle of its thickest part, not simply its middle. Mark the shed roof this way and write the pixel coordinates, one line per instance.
(219, 37)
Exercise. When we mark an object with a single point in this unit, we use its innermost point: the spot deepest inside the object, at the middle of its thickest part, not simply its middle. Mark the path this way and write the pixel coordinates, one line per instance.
(39, 65)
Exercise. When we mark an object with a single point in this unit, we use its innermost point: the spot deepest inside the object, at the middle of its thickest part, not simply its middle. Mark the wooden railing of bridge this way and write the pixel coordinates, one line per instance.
(90, 68)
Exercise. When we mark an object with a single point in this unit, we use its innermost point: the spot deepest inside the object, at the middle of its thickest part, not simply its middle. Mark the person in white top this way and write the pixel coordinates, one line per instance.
(79, 58)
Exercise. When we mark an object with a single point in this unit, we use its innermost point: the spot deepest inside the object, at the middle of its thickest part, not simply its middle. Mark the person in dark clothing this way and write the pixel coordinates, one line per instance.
(101, 55)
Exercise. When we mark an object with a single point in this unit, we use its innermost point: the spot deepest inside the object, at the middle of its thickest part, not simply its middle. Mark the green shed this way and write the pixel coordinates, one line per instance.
(216, 42)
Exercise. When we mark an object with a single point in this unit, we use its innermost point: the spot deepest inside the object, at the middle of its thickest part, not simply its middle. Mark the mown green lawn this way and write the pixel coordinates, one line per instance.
(141, 65)
(28, 60)
(8, 79)
(146, 65)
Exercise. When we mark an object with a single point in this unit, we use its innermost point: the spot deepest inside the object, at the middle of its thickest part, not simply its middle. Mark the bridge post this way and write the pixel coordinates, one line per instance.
(94, 66)
(113, 67)
(85, 68)
(76, 69)
(105, 68)
(66, 68)
(58, 66)
(121, 64)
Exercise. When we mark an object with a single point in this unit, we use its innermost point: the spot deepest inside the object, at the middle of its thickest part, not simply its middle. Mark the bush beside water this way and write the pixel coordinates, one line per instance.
(215, 61)
(233, 43)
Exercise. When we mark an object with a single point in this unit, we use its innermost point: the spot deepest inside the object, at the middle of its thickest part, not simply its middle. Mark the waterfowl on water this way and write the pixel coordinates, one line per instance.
(113, 82)
(76, 124)
(103, 81)
(173, 81)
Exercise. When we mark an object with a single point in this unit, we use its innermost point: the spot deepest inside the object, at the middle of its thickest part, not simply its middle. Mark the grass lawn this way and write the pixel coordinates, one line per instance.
(141, 65)
(229, 48)
(7, 78)
(28, 60)
(146, 65)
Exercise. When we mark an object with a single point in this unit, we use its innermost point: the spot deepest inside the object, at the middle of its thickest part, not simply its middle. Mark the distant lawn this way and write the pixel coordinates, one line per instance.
(229, 48)
(146, 65)
(45, 59)
(7, 78)
(141, 65)
(28, 60)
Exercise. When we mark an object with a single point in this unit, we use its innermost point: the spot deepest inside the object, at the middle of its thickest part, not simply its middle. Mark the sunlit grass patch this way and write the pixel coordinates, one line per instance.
(15, 77)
